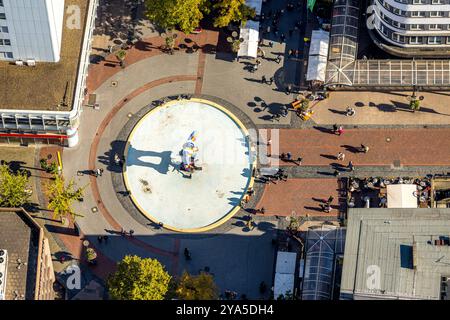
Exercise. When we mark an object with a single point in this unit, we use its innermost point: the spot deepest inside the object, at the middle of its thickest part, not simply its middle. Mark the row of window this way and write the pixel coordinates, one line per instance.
(414, 14)
(6, 55)
(415, 39)
(398, 25)
(423, 1)
(5, 42)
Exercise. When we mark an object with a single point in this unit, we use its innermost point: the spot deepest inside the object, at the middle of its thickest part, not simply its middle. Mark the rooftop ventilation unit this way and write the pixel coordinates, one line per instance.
(19, 63)
(31, 63)
(3, 272)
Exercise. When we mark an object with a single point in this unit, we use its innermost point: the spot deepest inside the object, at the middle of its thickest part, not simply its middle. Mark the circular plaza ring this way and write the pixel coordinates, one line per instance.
(188, 165)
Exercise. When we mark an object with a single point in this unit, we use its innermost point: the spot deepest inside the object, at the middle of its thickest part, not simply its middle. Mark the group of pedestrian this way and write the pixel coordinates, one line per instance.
(287, 157)
(339, 130)
(326, 206)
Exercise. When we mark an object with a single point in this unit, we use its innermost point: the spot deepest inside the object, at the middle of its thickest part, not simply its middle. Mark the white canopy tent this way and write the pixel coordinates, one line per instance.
(401, 196)
(284, 283)
(284, 273)
(250, 34)
(317, 66)
(318, 56)
(319, 43)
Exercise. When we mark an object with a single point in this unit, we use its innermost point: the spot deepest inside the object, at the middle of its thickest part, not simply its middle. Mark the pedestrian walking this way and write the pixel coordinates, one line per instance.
(282, 37)
(187, 254)
(131, 232)
(340, 130)
(263, 54)
(269, 142)
(364, 148)
(350, 166)
(98, 172)
(262, 210)
(263, 79)
(350, 112)
(288, 156)
(336, 173)
(330, 199)
(258, 62)
(117, 160)
(288, 89)
(105, 238)
(250, 223)
(335, 128)
(270, 43)
(326, 207)
(99, 239)
(340, 156)
(270, 81)
(278, 59)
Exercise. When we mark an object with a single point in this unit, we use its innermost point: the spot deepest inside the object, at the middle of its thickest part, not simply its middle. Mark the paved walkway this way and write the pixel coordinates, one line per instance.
(376, 108)
(239, 258)
(318, 147)
(149, 76)
(301, 197)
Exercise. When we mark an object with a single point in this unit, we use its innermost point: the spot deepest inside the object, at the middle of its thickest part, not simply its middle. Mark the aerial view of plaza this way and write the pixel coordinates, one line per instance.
(225, 150)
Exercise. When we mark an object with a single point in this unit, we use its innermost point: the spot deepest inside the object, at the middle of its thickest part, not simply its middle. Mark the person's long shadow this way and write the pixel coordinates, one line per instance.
(351, 149)
(327, 156)
(400, 106)
(135, 155)
(337, 111)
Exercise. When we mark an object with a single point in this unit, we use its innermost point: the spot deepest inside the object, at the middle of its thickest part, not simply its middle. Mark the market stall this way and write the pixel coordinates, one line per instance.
(249, 35)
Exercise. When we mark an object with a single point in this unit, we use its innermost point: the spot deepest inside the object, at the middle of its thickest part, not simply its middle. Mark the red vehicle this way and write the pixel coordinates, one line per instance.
(197, 30)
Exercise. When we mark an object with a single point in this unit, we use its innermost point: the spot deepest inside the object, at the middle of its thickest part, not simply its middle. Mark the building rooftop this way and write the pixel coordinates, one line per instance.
(47, 85)
(20, 237)
(323, 246)
(402, 244)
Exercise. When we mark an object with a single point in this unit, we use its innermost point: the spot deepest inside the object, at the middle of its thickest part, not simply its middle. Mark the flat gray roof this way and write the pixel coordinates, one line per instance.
(44, 86)
(394, 240)
(20, 237)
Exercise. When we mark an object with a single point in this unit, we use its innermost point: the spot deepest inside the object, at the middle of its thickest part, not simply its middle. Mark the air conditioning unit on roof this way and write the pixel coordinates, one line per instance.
(31, 63)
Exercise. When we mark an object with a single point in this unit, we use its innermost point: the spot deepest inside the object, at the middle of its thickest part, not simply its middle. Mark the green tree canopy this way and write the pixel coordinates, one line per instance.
(232, 10)
(61, 197)
(184, 14)
(199, 287)
(14, 188)
(139, 279)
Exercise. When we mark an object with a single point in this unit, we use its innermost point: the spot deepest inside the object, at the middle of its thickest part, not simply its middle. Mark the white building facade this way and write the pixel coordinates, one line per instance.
(413, 23)
(47, 125)
(31, 29)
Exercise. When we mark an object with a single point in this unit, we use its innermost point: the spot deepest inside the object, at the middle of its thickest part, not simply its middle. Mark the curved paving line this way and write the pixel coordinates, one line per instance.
(130, 206)
(249, 184)
(94, 148)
